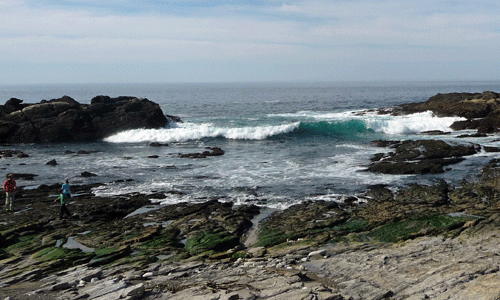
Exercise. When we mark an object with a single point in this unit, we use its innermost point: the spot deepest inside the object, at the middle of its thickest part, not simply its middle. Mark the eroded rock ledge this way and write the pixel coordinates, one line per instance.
(66, 120)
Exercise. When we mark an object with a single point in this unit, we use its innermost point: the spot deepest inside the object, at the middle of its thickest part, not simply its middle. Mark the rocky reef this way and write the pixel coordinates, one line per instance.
(482, 110)
(66, 120)
(419, 157)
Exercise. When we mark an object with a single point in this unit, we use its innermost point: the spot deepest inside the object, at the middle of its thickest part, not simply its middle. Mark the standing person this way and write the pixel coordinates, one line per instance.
(65, 189)
(10, 189)
(63, 198)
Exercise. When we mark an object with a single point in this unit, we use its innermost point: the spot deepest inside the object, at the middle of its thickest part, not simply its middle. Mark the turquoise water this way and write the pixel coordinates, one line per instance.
(283, 142)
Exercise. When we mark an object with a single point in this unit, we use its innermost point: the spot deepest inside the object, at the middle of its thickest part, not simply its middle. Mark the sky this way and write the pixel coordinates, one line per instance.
(169, 41)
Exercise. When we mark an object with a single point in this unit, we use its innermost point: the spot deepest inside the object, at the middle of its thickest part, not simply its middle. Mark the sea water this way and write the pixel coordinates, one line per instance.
(284, 142)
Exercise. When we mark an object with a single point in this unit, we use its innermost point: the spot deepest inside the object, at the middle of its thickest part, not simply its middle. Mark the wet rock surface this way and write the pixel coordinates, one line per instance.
(419, 157)
(66, 120)
(211, 151)
(419, 242)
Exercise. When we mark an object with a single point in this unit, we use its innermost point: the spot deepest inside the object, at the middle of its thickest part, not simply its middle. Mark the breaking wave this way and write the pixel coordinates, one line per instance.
(309, 125)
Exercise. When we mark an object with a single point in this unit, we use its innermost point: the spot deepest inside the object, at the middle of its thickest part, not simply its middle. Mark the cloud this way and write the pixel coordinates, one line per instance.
(301, 33)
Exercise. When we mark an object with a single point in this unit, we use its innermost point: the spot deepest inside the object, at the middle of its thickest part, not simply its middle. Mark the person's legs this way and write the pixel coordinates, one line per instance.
(9, 199)
(64, 211)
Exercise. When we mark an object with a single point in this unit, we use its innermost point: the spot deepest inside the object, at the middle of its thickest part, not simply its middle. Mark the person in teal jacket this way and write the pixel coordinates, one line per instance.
(63, 198)
(65, 189)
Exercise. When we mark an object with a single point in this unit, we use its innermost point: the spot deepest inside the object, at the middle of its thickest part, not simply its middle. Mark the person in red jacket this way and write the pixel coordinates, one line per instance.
(10, 189)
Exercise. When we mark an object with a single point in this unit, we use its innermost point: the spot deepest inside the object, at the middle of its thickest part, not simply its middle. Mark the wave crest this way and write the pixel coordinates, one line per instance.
(188, 132)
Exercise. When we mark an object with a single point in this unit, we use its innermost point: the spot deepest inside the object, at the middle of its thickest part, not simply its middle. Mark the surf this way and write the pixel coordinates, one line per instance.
(348, 125)
(187, 132)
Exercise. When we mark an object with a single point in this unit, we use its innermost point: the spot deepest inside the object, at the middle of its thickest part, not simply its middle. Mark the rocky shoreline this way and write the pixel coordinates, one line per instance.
(420, 242)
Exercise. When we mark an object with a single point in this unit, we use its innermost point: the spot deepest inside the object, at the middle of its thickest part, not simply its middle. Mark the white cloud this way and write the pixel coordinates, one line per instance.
(325, 33)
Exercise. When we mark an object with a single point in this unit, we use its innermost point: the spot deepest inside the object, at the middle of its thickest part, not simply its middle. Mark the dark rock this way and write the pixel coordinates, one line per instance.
(491, 149)
(174, 118)
(215, 151)
(158, 196)
(25, 176)
(350, 200)
(379, 193)
(435, 132)
(88, 174)
(467, 105)
(386, 206)
(85, 152)
(156, 144)
(302, 220)
(192, 155)
(52, 163)
(419, 157)
(12, 153)
(482, 110)
(65, 120)
(384, 143)
(472, 135)
(153, 156)
(435, 195)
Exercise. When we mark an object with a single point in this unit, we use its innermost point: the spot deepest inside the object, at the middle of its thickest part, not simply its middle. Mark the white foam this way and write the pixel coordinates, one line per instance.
(387, 124)
(410, 124)
(189, 131)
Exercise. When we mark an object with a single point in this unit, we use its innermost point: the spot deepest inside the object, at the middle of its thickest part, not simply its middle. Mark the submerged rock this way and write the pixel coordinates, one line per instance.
(13, 153)
(214, 151)
(87, 174)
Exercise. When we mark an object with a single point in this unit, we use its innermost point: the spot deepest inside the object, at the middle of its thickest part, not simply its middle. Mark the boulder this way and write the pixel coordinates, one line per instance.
(66, 120)
(52, 162)
(88, 174)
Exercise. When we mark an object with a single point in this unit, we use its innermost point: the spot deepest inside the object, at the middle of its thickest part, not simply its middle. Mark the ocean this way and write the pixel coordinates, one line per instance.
(284, 142)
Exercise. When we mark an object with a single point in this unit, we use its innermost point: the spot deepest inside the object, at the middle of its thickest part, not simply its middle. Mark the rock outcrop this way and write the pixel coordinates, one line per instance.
(66, 120)
(482, 110)
(419, 157)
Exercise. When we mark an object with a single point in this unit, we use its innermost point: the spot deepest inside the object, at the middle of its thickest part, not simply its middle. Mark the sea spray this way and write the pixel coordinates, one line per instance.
(409, 124)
